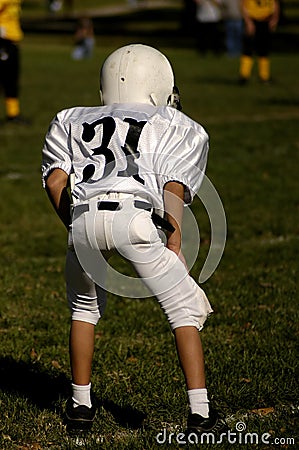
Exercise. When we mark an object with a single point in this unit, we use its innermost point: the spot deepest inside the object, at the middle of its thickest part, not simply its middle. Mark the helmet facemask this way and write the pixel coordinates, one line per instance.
(174, 99)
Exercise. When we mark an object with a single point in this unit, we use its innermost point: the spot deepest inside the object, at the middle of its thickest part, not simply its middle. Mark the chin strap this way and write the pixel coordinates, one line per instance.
(174, 99)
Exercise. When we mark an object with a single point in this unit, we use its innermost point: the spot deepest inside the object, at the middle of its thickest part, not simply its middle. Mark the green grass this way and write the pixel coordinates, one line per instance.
(250, 342)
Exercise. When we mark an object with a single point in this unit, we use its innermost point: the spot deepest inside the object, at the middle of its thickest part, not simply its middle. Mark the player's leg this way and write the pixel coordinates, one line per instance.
(183, 302)
(263, 49)
(191, 357)
(87, 303)
(11, 81)
(201, 417)
(233, 37)
(246, 59)
(186, 308)
(81, 351)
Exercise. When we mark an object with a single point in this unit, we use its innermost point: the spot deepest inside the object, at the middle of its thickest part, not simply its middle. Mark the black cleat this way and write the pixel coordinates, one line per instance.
(243, 81)
(212, 424)
(80, 418)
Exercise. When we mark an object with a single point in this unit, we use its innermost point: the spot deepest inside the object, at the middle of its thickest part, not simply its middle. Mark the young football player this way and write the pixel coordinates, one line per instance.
(10, 37)
(260, 21)
(133, 162)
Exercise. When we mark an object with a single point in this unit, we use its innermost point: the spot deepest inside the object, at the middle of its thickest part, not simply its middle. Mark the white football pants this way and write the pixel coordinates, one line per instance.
(132, 233)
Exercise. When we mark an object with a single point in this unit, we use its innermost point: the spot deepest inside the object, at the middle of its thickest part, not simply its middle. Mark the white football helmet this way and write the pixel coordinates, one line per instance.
(138, 73)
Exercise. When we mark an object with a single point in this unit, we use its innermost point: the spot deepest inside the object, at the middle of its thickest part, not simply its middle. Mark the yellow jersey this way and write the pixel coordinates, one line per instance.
(259, 9)
(10, 27)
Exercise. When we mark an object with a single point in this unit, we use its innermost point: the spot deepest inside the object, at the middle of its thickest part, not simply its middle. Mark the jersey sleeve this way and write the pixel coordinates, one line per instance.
(183, 156)
(56, 153)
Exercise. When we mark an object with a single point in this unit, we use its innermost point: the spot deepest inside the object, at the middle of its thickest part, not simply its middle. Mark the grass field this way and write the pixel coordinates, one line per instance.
(251, 340)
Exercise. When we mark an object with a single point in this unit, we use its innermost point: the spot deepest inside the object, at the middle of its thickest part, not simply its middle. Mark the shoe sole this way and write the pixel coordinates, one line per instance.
(218, 428)
(78, 424)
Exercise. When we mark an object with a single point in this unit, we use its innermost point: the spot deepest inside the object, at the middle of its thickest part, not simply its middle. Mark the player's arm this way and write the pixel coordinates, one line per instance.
(56, 187)
(174, 207)
(274, 19)
(248, 22)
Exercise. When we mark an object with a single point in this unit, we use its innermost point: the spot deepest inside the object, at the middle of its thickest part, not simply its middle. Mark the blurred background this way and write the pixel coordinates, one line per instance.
(169, 21)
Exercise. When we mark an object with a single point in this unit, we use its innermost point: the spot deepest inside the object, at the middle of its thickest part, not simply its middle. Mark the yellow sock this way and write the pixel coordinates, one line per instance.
(246, 63)
(12, 107)
(264, 68)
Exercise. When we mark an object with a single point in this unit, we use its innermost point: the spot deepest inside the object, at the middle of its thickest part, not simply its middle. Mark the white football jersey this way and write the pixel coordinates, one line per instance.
(128, 148)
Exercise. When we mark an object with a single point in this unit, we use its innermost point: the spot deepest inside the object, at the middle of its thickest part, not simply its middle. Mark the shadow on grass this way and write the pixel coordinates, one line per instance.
(31, 381)
(46, 390)
(125, 416)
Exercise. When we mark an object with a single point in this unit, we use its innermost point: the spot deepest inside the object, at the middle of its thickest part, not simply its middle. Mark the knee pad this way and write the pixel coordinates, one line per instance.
(86, 309)
(188, 307)
(86, 300)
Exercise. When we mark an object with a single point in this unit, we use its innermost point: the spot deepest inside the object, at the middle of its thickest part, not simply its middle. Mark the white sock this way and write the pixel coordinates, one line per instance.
(199, 402)
(81, 395)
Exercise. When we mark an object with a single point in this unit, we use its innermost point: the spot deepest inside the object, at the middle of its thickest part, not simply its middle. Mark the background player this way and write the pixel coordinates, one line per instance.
(133, 156)
(10, 36)
(260, 20)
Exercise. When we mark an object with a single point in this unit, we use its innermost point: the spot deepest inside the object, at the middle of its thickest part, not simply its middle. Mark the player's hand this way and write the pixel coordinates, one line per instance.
(249, 27)
(273, 23)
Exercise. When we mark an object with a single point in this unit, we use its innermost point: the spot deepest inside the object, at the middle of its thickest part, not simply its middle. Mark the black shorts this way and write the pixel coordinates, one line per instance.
(258, 44)
(9, 68)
